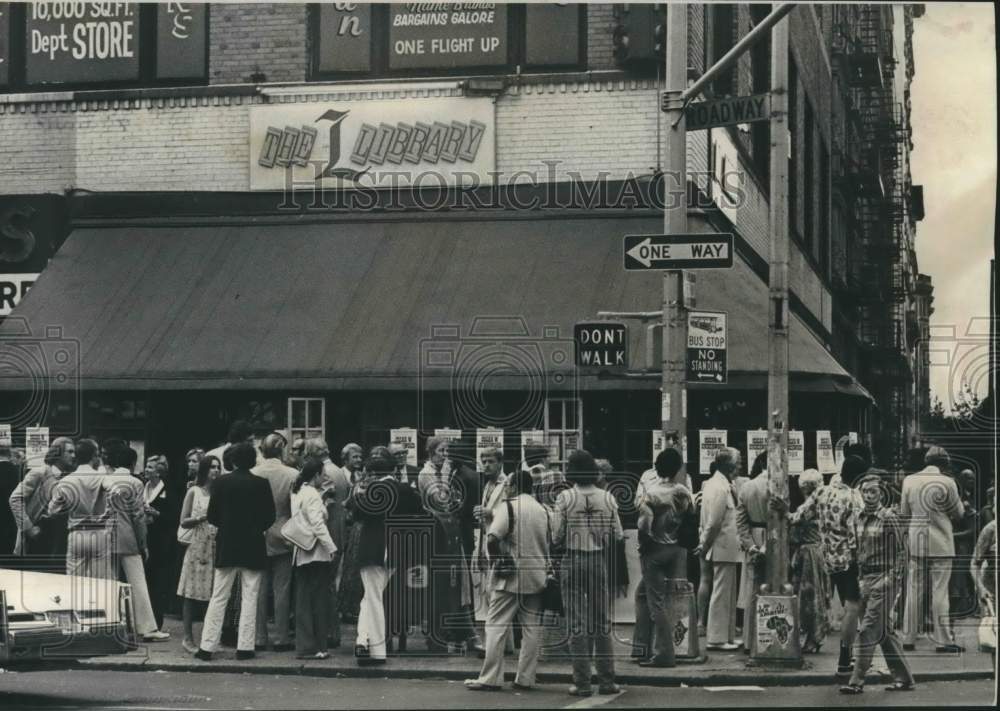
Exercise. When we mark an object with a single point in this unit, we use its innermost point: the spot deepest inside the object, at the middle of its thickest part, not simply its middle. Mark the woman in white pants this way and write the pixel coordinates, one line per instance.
(374, 503)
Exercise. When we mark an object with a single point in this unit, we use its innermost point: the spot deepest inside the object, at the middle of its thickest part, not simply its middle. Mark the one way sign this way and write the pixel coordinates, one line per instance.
(696, 251)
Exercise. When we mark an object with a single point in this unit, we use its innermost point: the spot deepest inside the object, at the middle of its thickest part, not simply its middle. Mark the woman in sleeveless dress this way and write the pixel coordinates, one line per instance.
(197, 571)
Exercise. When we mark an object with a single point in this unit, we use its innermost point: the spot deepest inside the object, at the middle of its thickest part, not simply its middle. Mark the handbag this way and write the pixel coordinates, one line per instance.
(185, 535)
(988, 627)
(552, 599)
(297, 531)
(505, 566)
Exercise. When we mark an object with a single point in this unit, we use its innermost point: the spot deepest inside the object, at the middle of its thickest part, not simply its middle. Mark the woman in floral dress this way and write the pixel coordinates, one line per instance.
(198, 568)
(808, 570)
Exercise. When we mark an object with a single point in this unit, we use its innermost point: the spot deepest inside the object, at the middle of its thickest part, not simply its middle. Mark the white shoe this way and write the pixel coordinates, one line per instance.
(156, 636)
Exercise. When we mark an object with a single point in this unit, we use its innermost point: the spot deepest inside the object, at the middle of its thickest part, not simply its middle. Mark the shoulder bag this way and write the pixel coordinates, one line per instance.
(186, 535)
(552, 599)
(298, 532)
(505, 566)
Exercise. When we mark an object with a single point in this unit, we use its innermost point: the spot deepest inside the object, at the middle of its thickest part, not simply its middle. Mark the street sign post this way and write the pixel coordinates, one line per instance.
(679, 251)
(730, 111)
(706, 348)
(602, 344)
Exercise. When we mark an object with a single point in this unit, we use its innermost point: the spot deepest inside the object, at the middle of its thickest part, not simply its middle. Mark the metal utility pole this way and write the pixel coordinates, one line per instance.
(673, 407)
(777, 332)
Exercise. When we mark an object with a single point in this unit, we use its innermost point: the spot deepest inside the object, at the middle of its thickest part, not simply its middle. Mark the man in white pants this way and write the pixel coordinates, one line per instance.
(125, 498)
(242, 509)
(931, 503)
(719, 544)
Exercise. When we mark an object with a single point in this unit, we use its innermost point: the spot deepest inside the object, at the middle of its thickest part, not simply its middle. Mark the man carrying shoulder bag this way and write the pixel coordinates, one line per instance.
(518, 547)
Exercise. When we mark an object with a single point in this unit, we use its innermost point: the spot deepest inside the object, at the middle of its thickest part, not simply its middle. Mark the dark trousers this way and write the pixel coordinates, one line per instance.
(312, 607)
(663, 564)
(879, 592)
(588, 614)
(158, 569)
(333, 602)
(642, 635)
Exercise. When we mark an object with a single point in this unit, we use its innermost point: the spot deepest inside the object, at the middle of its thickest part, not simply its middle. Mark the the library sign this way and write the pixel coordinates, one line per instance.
(393, 143)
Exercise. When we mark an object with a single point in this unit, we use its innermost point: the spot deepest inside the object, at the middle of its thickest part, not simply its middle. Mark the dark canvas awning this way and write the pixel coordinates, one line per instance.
(368, 304)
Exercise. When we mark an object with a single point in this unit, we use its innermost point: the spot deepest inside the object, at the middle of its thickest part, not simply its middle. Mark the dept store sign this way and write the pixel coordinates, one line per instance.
(392, 143)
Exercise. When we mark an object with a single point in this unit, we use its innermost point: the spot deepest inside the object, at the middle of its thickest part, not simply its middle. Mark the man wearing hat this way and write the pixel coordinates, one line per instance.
(930, 501)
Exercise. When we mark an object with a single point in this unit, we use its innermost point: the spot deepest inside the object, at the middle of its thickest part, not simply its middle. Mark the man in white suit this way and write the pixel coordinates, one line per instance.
(719, 544)
(931, 503)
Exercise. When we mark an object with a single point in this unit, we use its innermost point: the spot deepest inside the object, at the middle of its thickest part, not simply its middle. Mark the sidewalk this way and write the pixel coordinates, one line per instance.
(721, 668)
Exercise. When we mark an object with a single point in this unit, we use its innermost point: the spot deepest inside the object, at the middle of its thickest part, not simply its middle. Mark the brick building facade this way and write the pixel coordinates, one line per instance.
(176, 155)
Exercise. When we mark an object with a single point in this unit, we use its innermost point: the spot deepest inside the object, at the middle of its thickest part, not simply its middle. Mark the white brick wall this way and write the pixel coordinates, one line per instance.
(201, 144)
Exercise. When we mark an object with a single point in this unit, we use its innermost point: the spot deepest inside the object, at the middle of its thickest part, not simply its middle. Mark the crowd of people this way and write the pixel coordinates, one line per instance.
(278, 530)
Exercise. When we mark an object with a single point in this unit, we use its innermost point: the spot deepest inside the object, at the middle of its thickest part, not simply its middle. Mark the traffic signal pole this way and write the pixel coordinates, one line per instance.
(673, 408)
(778, 607)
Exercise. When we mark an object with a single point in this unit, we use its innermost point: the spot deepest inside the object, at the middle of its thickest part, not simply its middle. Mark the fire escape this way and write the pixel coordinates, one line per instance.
(874, 179)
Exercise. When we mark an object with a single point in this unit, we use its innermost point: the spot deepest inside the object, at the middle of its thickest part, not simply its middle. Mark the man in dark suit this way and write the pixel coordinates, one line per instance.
(405, 473)
(242, 509)
(467, 493)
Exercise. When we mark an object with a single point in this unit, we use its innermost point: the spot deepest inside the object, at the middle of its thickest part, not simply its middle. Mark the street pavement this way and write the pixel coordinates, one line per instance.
(720, 668)
(131, 691)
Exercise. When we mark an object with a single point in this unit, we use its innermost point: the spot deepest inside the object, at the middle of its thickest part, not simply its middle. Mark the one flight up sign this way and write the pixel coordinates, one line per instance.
(706, 347)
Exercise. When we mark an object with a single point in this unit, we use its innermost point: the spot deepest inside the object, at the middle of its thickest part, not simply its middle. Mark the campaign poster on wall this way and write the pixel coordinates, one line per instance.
(532, 437)
(796, 452)
(6, 440)
(36, 444)
(825, 462)
(659, 444)
(448, 434)
(487, 438)
(709, 444)
(756, 443)
(406, 436)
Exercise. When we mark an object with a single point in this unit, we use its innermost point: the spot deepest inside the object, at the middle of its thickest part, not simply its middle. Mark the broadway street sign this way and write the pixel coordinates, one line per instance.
(727, 112)
(693, 251)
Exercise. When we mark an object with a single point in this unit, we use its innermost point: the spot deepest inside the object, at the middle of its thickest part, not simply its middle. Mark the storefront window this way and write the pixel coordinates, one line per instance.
(306, 417)
(563, 428)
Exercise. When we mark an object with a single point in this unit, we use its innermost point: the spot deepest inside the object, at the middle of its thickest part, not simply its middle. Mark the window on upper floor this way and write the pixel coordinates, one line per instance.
(793, 114)
(721, 39)
(75, 45)
(760, 67)
(360, 40)
(824, 210)
(808, 148)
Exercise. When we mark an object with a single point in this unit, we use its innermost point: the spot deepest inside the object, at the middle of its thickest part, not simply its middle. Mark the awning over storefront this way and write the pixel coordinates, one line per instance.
(393, 304)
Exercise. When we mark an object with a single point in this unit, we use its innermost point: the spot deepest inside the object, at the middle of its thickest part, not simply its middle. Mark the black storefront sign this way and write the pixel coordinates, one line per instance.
(181, 40)
(406, 39)
(443, 38)
(601, 344)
